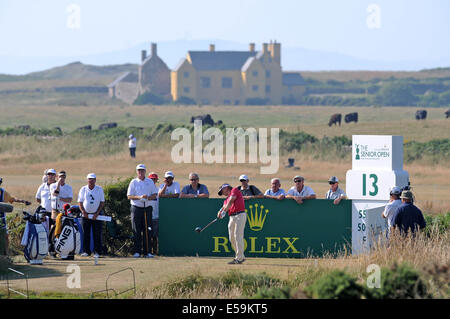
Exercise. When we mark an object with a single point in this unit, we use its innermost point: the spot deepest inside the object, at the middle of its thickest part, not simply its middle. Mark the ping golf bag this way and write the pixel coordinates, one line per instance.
(35, 237)
(67, 237)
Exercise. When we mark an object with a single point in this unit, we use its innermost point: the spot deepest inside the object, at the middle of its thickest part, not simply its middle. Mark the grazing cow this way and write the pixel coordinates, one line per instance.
(334, 119)
(87, 127)
(351, 117)
(206, 119)
(421, 115)
(447, 114)
(107, 125)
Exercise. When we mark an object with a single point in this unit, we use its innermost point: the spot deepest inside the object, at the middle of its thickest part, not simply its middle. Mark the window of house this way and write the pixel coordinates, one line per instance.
(255, 88)
(227, 83)
(205, 82)
(186, 74)
(267, 73)
(186, 89)
(226, 102)
(267, 88)
(255, 73)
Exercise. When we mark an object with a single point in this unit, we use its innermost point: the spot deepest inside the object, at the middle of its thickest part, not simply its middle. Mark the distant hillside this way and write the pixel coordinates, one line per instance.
(74, 71)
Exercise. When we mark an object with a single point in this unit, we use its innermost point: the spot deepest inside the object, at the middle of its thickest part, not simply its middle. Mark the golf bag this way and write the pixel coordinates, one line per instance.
(67, 237)
(35, 238)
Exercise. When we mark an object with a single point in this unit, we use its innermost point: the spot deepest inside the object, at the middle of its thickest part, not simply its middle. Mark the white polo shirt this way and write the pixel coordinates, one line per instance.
(43, 193)
(306, 191)
(91, 198)
(139, 187)
(65, 191)
(334, 195)
(390, 211)
(132, 143)
(172, 189)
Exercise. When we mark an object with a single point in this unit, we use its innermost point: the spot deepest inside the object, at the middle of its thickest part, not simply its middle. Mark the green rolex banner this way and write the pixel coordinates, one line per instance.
(273, 229)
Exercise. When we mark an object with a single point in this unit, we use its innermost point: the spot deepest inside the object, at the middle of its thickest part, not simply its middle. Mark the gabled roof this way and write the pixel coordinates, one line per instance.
(126, 77)
(292, 78)
(219, 60)
(248, 63)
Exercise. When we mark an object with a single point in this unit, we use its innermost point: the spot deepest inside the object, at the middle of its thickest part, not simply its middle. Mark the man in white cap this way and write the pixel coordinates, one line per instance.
(43, 194)
(390, 210)
(61, 193)
(335, 192)
(132, 145)
(169, 188)
(141, 192)
(300, 191)
(248, 191)
(91, 200)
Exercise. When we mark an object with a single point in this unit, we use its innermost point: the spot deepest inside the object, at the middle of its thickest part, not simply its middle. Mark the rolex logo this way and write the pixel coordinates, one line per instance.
(256, 217)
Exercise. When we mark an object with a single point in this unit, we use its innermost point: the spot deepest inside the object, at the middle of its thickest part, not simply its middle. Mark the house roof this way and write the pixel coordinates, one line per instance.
(219, 60)
(126, 77)
(291, 79)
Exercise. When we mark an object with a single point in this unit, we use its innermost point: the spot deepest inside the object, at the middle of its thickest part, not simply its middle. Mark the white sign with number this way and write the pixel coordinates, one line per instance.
(377, 166)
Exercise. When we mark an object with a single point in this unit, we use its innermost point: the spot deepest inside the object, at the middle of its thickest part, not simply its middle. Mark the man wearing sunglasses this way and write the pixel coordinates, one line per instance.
(194, 189)
(300, 191)
(248, 191)
(335, 192)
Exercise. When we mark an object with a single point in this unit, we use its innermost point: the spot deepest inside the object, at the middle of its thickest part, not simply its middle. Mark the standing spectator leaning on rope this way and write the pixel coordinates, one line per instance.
(91, 200)
(194, 189)
(141, 191)
(335, 192)
(235, 207)
(248, 191)
(5, 197)
(300, 192)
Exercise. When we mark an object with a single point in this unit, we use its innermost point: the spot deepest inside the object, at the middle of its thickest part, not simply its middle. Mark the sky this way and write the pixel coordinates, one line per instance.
(375, 30)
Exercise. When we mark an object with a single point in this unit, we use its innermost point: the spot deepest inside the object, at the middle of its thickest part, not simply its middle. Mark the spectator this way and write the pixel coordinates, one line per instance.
(275, 192)
(194, 189)
(335, 193)
(132, 145)
(248, 191)
(390, 211)
(141, 192)
(43, 194)
(61, 193)
(91, 200)
(300, 191)
(235, 207)
(169, 188)
(409, 217)
(154, 232)
(5, 197)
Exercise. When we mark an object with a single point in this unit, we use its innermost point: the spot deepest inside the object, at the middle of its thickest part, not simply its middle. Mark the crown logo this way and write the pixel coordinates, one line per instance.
(256, 218)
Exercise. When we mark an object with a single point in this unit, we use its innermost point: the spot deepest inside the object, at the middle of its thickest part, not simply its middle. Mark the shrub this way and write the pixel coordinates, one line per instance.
(184, 100)
(335, 285)
(273, 293)
(399, 282)
(149, 98)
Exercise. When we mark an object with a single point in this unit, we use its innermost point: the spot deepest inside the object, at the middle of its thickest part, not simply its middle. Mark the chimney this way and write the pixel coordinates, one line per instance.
(143, 55)
(265, 48)
(251, 47)
(154, 49)
(212, 48)
(275, 51)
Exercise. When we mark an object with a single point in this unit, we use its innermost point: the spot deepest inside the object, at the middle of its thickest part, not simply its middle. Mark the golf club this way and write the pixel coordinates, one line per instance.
(200, 229)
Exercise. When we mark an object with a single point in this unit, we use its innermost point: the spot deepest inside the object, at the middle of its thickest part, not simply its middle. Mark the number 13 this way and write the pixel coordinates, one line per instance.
(374, 185)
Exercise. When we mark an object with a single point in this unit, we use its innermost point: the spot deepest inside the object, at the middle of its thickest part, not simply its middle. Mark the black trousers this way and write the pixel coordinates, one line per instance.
(133, 152)
(141, 220)
(96, 226)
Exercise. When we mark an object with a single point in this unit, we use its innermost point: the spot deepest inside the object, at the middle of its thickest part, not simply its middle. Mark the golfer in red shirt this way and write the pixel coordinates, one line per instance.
(235, 207)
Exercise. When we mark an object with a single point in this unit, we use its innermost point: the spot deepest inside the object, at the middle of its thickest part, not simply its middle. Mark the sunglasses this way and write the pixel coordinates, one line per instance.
(298, 181)
(331, 183)
(193, 179)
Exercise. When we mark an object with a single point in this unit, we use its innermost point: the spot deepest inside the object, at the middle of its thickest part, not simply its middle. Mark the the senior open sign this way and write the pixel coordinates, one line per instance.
(273, 229)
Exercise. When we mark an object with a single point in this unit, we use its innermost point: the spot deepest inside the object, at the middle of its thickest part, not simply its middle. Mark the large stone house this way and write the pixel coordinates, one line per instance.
(153, 76)
(215, 77)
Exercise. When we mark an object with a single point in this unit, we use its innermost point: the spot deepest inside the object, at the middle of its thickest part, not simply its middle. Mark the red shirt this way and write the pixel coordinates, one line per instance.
(238, 204)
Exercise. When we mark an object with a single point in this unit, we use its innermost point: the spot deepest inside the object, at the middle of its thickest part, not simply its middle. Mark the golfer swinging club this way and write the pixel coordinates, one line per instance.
(235, 207)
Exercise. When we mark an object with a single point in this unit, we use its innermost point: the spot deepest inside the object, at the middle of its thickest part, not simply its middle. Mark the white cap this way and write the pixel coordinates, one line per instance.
(169, 174)
(141, 166)
(243, 177)
(131, 136)
(51, 171)
(396, 190)
(91, 175)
